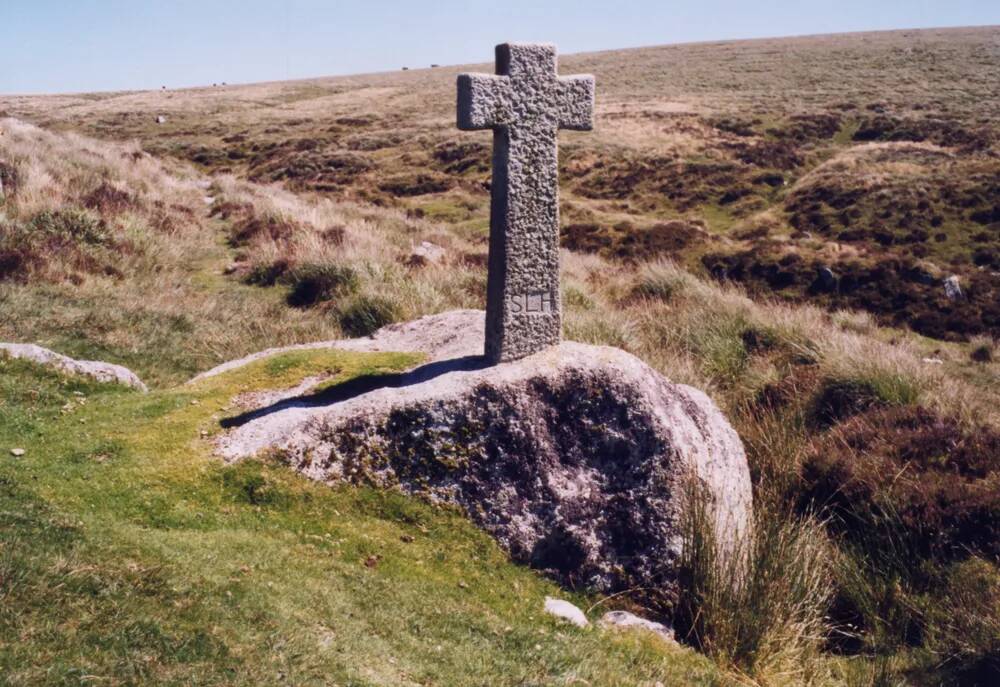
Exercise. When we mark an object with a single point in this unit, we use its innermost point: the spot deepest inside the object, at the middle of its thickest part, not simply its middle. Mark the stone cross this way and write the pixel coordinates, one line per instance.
(525, 103)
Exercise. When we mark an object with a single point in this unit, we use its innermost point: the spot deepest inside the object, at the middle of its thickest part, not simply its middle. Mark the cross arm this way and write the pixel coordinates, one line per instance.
(576, 102)
(484, 101)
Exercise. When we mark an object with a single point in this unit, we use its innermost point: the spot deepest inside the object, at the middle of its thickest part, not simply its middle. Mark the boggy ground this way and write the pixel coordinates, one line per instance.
(762, 162)
(863, 438)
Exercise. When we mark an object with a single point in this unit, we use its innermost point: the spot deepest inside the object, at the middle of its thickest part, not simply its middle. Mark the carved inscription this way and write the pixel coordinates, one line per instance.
(535, 302)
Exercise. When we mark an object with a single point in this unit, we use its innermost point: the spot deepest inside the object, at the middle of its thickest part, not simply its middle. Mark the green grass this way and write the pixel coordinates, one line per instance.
(129, 555)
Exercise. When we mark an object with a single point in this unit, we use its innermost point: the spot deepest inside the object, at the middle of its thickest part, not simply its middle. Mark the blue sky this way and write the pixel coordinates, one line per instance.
(89, 45)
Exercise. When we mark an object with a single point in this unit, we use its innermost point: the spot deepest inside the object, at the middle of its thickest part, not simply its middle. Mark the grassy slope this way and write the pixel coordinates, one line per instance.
(128, 555)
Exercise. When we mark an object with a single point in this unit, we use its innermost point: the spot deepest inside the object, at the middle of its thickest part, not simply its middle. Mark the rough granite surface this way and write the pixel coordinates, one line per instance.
(103, 372)
(451, 334)
(525, 104)
(575, 459)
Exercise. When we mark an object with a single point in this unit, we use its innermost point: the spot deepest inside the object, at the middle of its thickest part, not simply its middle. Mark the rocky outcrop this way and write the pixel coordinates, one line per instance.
(102, 372)
(576, 459)
(447, 335)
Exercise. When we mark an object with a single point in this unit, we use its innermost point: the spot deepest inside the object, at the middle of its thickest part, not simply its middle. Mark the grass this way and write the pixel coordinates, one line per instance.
(756, 604)
(128, 555)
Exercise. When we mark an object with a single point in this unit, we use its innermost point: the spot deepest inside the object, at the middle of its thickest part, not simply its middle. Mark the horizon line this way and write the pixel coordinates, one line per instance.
(164, 89)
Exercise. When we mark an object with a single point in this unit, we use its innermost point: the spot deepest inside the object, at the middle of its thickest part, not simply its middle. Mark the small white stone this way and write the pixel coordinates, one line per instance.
(17, 452)
(566, 611)
(626, 620)
(953, 288)
(933, 361)
(427, 253)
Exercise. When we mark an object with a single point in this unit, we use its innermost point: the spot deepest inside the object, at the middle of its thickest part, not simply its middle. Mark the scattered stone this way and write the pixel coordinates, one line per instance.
(952, 288)
(525, 103)
(17, 452)
(425, 254)
(933, 361)
(101, 371)
(160, 119)
(626, 620)
(574, 459)
(566, 611)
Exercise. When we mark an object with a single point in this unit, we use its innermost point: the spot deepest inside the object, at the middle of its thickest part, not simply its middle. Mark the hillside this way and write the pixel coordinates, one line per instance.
(761, 162)
(719, 179)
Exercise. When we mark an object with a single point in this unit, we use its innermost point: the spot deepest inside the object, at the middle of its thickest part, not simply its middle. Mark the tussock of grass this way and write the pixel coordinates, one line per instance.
(758, 606)
(365, 315)
(312, 283)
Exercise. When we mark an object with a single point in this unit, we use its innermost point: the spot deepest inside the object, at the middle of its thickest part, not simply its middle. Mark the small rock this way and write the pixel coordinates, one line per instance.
(952, 289)
(426, 253)
(933, 361)
(626, 620)
(17, 452)
(160, 119)
(209, 200)
(566, 611)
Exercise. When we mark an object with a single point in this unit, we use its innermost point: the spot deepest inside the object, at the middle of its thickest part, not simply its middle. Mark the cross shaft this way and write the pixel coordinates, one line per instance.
(525, 103)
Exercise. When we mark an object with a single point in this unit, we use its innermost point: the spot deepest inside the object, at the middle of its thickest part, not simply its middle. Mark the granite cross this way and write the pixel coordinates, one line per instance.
(525, 104)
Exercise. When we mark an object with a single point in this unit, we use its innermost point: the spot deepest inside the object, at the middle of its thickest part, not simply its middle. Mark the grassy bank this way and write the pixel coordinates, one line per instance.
(129, 556)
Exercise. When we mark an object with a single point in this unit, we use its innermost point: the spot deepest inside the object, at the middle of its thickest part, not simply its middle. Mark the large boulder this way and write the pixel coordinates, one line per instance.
(576, 459)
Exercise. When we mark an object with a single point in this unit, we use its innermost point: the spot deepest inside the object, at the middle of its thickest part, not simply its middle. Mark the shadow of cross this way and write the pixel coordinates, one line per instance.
(525, 103)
